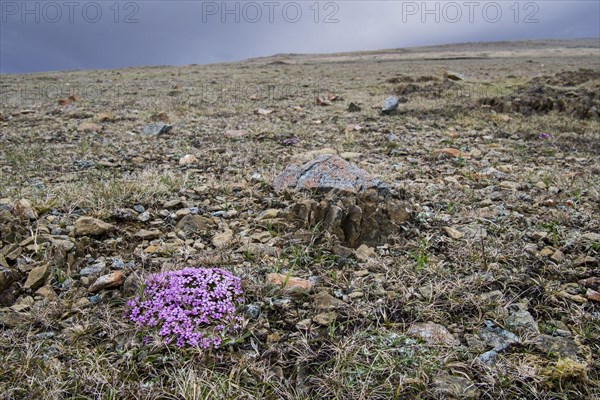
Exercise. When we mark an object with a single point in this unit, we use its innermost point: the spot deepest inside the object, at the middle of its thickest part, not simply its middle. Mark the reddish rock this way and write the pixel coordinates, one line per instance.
(25, 210)
(592, 295)
(109, 281)
(289, 282)
(450, 152)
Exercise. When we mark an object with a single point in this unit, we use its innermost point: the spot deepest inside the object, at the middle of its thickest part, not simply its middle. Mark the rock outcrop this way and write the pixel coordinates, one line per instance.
(348, 201)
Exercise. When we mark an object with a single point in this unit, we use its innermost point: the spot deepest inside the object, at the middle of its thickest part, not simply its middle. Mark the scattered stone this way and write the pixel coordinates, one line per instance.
(188, 159)
(47, 292)
(3, 262)
(172, 203)
(539, 235)
(223, 239)
(25, 210)
(433, 333)
(37, 277)
(592, 295)
(106, 117)
(364, 253)
(558, 346)
(68, 100)
(356, 295)
(65, 244)
(132, 284)
(453, 233)
(256, 177)
(145, 234)
(45, 335)
(14, 252)
(145, 216)
(392, 138)
(81, 303)
(24, 304)
(450, 152)
(492, 336)
(523, 323)
(389, 105)
(193, 224)
(7, 275)
(558, 256)
(112, 280)
(587, 260)
(258, 249)
(324, 319)
(12, 319)
(325, 301)
(454, 76)
(289, 282)
(88, 226)
(361, 273)
(353, 107)
(304, 324)
(591, 236)
(156, 129)
(253, 311)
(263, 111)
(342, 252)
(268, 214)
(94, 269)
(591, 282)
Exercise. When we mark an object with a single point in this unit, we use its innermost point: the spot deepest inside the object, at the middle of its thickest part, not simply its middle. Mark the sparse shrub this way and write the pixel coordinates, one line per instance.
(193, 306)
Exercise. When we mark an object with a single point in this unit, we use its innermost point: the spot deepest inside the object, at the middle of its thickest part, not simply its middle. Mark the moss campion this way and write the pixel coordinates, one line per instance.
(193, 306)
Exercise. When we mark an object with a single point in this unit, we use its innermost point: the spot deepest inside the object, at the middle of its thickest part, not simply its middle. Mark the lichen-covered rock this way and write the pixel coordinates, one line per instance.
(325, 173)
(349, 202)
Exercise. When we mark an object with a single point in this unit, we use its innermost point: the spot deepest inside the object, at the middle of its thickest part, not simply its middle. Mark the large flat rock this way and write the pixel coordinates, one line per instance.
(327, 172)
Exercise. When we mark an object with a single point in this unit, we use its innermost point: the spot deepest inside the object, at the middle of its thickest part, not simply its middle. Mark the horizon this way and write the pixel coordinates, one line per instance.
(277, 55)
(97, 35)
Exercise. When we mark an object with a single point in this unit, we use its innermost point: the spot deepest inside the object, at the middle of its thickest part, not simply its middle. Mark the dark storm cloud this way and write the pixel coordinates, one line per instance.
(57, 35)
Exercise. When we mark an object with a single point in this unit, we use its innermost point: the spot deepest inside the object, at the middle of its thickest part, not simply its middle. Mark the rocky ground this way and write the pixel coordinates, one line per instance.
(462, 263)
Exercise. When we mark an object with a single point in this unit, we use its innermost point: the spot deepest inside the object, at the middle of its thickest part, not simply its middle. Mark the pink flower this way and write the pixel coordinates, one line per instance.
(193, 306)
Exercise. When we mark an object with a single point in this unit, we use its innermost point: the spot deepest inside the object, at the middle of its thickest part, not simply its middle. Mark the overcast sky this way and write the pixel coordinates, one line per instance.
(69, 34)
